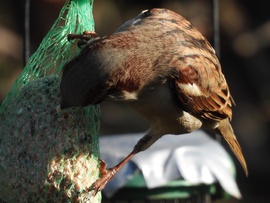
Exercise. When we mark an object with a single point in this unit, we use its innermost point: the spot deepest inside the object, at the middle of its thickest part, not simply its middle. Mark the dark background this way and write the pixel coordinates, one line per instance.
(245, 58)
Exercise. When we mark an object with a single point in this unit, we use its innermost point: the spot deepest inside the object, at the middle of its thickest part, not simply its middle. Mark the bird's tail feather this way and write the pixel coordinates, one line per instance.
(225, 129)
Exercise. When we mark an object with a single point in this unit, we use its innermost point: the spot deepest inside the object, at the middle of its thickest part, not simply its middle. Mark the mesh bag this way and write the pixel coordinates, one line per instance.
(46, 154)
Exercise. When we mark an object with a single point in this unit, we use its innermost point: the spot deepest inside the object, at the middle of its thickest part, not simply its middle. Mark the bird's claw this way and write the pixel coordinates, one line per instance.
(94, 189)
(99, 184)
(87, 35)
(106, 176)
(83, 38)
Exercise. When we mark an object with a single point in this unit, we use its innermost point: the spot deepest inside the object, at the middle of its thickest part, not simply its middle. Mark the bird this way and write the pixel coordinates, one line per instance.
(159, 64)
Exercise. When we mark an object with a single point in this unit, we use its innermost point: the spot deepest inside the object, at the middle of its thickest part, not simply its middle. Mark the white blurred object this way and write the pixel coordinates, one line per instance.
(195, 157)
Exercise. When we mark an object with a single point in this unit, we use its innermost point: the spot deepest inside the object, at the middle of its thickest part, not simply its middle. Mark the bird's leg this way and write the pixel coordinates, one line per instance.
(83, 38)
(87, 35)
(108, 174)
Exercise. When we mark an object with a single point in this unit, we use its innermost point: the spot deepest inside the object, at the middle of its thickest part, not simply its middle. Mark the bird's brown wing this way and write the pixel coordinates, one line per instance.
(202, 88)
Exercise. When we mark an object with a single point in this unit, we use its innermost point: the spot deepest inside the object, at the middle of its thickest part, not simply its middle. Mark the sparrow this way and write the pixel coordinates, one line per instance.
(162, 66)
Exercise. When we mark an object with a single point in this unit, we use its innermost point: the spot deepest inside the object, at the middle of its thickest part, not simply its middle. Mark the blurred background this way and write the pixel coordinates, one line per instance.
(245, 58)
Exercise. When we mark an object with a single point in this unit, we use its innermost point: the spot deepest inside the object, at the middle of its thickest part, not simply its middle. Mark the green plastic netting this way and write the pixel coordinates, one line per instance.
(49, 155)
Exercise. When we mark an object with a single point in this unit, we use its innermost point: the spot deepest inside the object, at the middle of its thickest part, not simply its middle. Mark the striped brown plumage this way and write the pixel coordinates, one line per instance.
(161, 66)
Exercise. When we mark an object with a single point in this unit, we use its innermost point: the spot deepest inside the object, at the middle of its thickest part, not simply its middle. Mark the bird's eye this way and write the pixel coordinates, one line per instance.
(146, 13)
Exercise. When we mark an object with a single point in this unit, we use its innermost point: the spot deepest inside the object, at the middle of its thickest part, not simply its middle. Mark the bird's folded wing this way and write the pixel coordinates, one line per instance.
(202, 89)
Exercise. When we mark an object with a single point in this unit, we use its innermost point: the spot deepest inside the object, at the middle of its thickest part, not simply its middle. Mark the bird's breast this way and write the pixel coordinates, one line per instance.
(160, 107)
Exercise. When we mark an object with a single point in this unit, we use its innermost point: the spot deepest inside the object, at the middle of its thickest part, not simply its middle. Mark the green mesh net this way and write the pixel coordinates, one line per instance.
(46, 154)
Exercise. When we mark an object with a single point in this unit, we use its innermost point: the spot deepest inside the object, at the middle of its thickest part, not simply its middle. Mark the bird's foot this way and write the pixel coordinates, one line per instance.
(85, 38)
(106, 176)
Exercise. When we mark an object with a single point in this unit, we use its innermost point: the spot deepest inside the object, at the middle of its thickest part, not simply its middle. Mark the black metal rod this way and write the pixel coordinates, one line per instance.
(216, 35)
(26, 41)
(216, 26)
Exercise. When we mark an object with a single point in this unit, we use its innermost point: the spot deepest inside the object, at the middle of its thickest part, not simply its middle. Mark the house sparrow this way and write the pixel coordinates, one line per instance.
(161, 66)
